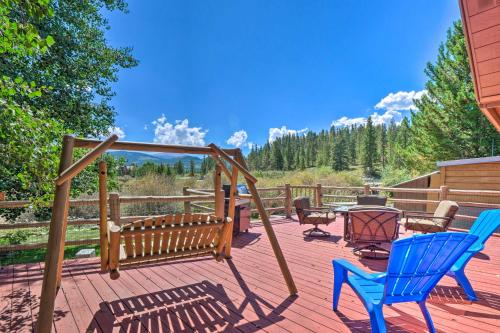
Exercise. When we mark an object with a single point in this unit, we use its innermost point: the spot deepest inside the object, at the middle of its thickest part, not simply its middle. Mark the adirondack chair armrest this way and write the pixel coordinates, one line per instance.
(475, 248)
(358, 271)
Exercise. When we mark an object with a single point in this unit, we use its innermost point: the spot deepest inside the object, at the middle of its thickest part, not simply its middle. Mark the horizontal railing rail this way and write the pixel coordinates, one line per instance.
(277, 199)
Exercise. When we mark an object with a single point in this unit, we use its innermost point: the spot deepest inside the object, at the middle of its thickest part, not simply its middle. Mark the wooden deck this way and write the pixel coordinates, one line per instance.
(246, 294)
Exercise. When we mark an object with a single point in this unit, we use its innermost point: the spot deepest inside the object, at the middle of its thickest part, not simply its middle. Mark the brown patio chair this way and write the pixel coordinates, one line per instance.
(312, 215)
(372, 227)
(371, 200)
(429, 222)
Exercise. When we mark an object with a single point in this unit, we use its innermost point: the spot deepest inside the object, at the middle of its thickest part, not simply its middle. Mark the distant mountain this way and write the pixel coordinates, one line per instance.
(132, 157)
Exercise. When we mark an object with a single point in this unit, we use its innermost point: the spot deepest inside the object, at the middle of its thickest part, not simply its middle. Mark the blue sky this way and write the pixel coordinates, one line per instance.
(240, 72)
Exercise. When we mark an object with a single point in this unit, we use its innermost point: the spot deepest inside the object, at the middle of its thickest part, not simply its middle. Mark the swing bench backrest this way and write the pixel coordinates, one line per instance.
(166, 237)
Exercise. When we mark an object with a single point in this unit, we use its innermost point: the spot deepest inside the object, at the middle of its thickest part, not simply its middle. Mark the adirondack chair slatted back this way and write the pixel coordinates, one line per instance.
(171, 236)
(485, 225)
(417, 263)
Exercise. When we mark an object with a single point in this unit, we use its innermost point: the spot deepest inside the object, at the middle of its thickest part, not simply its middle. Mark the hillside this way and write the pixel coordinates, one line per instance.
(141, 158)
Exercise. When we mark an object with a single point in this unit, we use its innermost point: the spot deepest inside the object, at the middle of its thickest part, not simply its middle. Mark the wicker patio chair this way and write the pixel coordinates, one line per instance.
(428, 222)
(372, 227)
(312, 215)
(371, 200)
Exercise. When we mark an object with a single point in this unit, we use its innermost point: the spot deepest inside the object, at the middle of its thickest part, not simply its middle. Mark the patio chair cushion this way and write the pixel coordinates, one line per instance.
(446, 208)
(317, 218)
(424, 225)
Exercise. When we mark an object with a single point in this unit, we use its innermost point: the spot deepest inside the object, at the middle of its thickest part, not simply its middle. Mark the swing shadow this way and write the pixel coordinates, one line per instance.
(198, 307)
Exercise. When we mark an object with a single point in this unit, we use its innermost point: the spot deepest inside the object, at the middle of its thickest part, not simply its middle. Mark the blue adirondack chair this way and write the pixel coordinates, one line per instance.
(416, 264)
(485, 225)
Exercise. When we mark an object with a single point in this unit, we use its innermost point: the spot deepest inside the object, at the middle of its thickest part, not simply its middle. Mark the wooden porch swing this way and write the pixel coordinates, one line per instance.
(165, 237)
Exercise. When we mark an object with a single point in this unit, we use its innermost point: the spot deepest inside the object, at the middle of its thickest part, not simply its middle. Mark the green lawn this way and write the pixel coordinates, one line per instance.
(41, 235)
(38, 255)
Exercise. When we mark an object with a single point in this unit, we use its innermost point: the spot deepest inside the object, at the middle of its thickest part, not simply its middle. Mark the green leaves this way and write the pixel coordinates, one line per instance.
(449, 124)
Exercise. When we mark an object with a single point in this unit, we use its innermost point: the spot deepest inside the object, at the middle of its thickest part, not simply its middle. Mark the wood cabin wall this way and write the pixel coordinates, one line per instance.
(478, 176)
(421, 182)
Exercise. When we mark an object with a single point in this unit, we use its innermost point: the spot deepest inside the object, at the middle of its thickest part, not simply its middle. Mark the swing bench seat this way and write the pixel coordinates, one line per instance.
(166, 237)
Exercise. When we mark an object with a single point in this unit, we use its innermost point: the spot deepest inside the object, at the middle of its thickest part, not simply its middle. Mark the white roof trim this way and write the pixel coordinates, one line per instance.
(489, 159)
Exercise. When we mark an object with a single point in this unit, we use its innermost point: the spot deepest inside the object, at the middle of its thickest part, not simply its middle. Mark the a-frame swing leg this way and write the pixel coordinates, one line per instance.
(55, 245)
(269, 229)
(231, 210)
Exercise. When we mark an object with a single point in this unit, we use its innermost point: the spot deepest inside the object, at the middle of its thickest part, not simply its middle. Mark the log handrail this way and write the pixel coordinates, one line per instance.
(174, 198)
(151, 147)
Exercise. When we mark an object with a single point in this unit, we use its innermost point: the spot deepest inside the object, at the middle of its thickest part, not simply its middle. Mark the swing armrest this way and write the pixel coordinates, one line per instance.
(114, 250)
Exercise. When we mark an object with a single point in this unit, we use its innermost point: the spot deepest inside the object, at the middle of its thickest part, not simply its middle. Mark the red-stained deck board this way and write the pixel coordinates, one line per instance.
(247, 294)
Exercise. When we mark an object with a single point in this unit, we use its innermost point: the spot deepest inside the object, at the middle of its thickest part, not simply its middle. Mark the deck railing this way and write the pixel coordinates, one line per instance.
(279, 199)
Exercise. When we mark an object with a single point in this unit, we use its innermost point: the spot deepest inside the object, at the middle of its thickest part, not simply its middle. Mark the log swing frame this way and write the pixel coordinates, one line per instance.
(68, 170)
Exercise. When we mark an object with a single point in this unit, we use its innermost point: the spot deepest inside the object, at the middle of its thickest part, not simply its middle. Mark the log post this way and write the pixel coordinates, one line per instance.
(103, 214)
(114, 208)
(55, 244)
(285, 271)
(113, 232)
(187, 204)
(218, 192)
(366, 189)
(443, 195)
(288, 201)
(319, 196)
(2, 196)
(232, 209)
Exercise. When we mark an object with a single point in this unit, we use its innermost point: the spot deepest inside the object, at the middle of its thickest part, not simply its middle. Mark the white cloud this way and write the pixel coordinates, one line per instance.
(344, 121)
(145, 127)
(276, 132)
(377, 119)
(402, 100)
(178, 133)
(392, 104)
(238, 139)
(251, 145)
(116, 130)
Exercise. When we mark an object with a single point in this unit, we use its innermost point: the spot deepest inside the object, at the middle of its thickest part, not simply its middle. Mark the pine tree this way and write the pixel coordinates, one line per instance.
(339, 153)
(276, 157)
(179, 167)
(369, 147)
(449, 124)
(191, 168)
(383, 146)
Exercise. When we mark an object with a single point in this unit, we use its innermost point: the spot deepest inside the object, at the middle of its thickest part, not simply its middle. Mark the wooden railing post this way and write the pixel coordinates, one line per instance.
(319, 195)
(103, 214)
(443, 195)
(288, 201)
(187, 204)
(2, 196)
(114, 207)
(366, 189)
